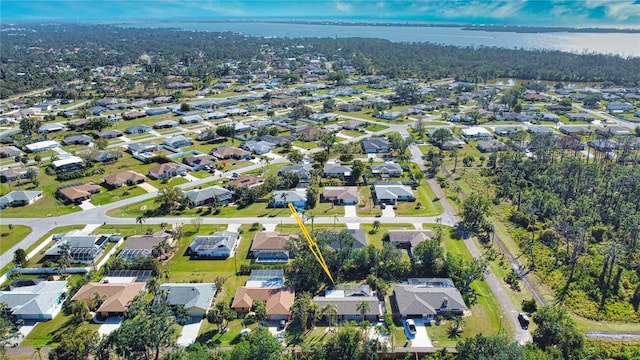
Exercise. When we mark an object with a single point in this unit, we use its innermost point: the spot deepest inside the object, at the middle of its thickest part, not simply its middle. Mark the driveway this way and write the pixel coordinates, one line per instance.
(350, 211)
(87, 205)
(147, 187)
(190, 177)
(420, 339)
(190, 332)
(388, 212)
(110, 325)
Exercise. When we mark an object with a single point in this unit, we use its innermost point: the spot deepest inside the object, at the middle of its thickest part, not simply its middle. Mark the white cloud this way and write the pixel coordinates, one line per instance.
(343, 7)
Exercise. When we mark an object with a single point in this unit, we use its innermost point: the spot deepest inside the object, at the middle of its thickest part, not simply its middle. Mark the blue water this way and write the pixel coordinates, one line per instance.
(623, 44)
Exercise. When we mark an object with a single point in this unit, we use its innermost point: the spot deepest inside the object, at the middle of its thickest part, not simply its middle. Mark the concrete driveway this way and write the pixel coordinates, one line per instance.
(110, 325)
(420, 339)
(388, 212)
(350, 211)
(87, 205)
(190, 332)
(147, 187)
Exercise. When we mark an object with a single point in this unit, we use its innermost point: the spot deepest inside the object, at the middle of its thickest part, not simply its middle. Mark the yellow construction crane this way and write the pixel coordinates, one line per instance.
(313, 246)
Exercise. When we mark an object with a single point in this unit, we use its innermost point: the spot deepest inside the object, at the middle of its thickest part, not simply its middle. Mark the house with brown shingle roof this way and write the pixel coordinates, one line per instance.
(166, 170)
(124, 178)
(78, 193)
(409, 238)
(199, 161)
(116, 296)
(230, 152)
(340, 195)
(270, 246)
(309, 134)
(279, 301)
(247, 180)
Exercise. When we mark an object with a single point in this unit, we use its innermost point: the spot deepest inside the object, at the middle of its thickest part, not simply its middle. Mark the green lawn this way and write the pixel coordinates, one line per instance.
(326, 209)
(365, 206)
(148, 209)
(295, 229)
(375, 127)
(352, 133)
(426, 198)
(10, 237)
(109, 196)
(376, 239)
(210, 336)
(305, 144)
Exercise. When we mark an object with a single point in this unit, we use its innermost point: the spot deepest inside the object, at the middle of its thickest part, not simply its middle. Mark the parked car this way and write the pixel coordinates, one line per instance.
(524, 320)
(235, 175)
(411, 326)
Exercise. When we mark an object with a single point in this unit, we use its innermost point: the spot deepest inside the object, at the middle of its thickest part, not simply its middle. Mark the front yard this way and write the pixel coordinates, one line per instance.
(10, 235)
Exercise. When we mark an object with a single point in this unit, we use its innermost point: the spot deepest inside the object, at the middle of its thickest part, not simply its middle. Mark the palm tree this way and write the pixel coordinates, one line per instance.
(331, 312)
(376, 226)
(363, 307)
(152, 285)
(459, 322)
(140, 220)
(454, 155)
(80, 310)
(170, 198)
(97, 300)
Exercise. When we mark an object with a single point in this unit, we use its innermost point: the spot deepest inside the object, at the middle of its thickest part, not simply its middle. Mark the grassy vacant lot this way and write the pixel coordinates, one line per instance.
(305, 144)
(109, 196)
(376, 238)
(148, 209)
(372, 127)
(426, 198)
(181, 268)
(366, 207)
(10, 237)
(326, 209)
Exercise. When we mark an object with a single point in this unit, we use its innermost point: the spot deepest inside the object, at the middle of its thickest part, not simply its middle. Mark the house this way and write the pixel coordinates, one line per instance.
(303, 171)
(178, 141)
(506, 130)
(340, 195)
(297, 197)
(165, 124)
(166, 170)
(276, 140)
(134, 114)
(34, 299)
(476, 133)
(220, 245)
(358, 235)
(388, 169)
(513, 116)
(558, 108)
(19, 198)
(351, 124)
(579, 117)
(50, 128)
(145, 245)
(212, 195)
(215, 115)
(229, 152)
(76, 194)
(12, 174)
(540, 130)
(309, 134)
(279, 301)
(42, 146)
(574, 130)
(337, 170)
(347, 300)
(389, 115)
(67, 164)
(603, 145)
(428, 298)
(246, 180)
(116, 297)
(270, 247)
(375, 145)
(77, 139)
(408, 238)
(9, 152)
(137, 129)
(491, 146)
(616, 107)
(609, 131)
(109, 134)
(549, 117)
(191, 119)
(81, 246)
(200, 161)
(128, 177)
(195, 297)
(389, 192)
(258, 147)
(142, 148)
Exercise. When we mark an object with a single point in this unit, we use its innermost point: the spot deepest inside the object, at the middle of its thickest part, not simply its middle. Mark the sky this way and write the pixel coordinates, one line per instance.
(567, 13)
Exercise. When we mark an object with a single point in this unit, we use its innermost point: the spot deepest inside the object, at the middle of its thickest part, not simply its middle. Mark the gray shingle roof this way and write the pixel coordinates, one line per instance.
(417, 299)
(35, 299)
(190, 295)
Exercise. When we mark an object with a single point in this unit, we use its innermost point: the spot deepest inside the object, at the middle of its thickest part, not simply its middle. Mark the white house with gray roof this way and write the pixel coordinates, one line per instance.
(424, 298)
(390, 193)
(195, 297)
(41, 300)
(389, 169)
(219, 245)
(19, 198)
(210, 195)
